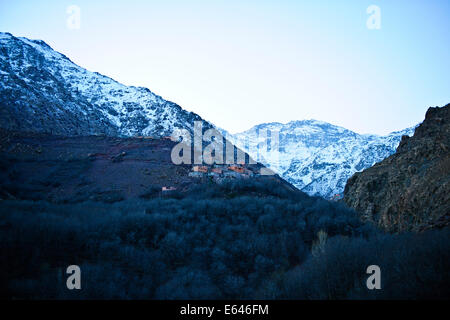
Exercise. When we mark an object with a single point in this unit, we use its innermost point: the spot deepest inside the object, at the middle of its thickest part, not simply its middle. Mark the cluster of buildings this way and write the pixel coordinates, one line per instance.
(216, 171)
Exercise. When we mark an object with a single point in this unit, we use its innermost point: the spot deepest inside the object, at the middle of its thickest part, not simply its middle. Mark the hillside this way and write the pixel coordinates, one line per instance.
(409, 190)
(39, 166)
(42, 90)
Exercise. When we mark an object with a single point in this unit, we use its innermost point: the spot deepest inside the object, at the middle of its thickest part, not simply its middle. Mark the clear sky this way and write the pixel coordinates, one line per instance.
(241, 63)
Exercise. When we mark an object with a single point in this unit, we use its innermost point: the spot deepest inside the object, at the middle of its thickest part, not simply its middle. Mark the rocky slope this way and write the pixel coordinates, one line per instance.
(41, 90)
(409, 190)
(315, 156)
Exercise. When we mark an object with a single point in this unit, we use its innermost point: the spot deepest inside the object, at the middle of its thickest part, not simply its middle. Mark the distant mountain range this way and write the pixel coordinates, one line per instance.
(42, 90)
(315, 156)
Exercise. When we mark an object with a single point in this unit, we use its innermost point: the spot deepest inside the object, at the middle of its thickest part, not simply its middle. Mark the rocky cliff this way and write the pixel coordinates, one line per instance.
(410, 190)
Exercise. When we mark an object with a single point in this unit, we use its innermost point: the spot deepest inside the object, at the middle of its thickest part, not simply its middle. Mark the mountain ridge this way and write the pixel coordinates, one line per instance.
(316, 156)
(42, 90)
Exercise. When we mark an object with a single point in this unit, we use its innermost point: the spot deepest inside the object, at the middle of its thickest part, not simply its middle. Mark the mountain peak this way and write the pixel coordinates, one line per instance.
(318, 157)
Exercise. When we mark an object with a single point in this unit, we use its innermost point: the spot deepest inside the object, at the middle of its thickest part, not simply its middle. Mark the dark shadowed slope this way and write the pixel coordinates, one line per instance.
(411, 188)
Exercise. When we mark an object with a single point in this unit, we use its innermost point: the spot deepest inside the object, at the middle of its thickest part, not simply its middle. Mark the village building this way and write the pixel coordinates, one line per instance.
(167, 190)
(203, 169)
(236, 168)
(217, 170)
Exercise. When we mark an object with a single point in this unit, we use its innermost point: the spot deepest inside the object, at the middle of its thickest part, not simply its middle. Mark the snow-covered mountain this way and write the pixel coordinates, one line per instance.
(315, 156)
(43, 90)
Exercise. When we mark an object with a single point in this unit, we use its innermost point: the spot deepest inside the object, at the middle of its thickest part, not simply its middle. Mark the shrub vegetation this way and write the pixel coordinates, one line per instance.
(239, 240)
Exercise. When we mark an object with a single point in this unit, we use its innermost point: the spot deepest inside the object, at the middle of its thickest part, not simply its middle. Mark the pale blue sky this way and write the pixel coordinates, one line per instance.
(240, 63)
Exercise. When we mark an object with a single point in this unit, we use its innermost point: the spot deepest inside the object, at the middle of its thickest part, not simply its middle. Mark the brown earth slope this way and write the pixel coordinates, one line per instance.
(409, 190)
(38, 166)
